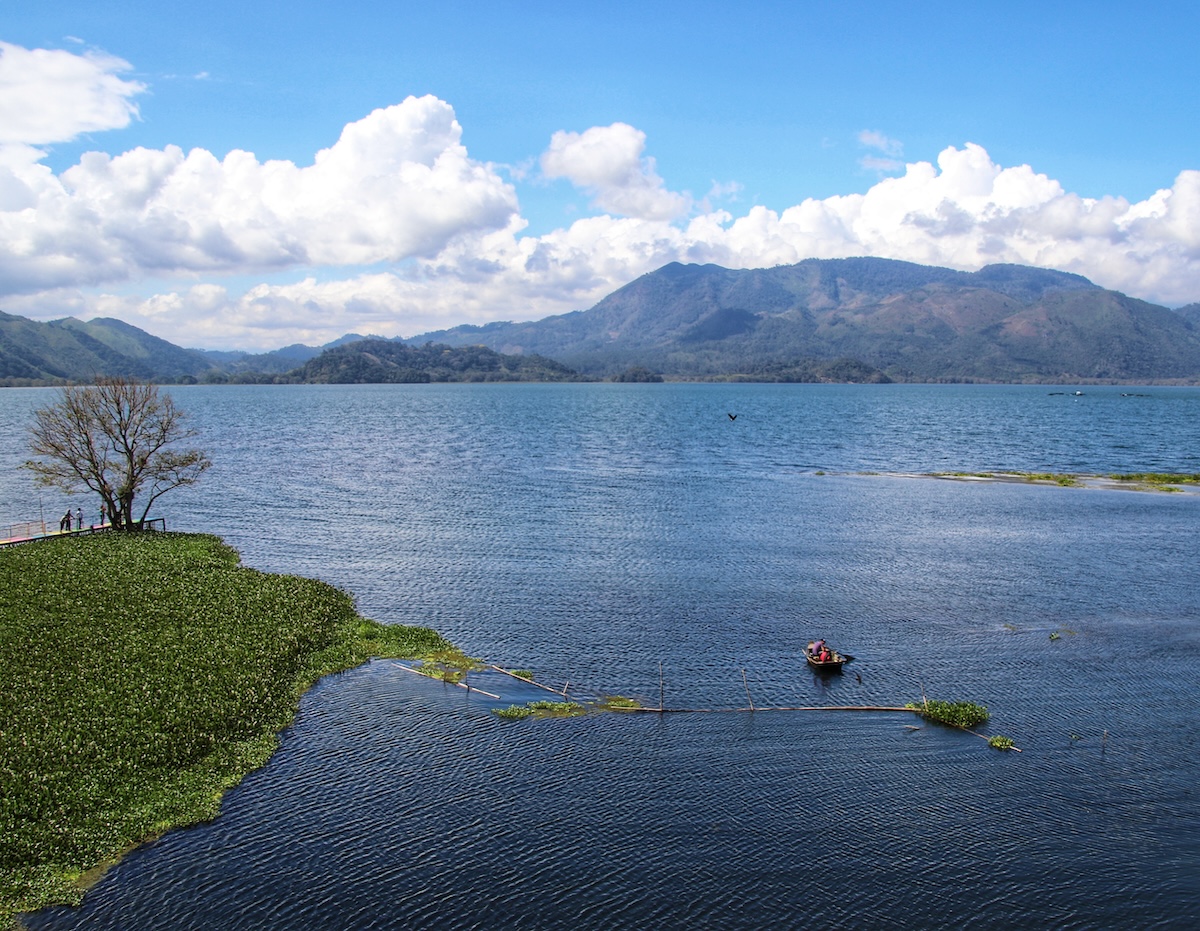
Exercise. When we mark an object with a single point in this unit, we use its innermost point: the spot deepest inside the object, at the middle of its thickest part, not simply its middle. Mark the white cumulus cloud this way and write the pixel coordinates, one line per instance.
(607, 162)
(963, 212)
(397, 184)
(395, 229)
(52, 96)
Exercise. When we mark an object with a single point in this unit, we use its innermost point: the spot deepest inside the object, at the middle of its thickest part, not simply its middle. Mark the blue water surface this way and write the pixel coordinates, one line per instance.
(638, 540)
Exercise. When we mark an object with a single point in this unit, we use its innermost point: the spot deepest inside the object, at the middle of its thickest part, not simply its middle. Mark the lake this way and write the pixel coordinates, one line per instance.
(687, 541)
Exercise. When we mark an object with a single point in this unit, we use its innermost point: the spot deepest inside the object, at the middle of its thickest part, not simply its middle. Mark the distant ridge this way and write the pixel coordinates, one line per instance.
(1007, 323)
(34, 353)
(61, 351)
(841, 320)
(69, 350)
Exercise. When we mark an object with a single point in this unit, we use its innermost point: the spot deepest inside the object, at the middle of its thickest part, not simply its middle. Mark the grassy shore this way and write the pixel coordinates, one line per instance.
(141, 676)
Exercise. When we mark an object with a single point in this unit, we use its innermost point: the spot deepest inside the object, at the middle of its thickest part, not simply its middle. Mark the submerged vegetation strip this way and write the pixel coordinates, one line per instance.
(1150, 481)
(141, 676)
(963, 715)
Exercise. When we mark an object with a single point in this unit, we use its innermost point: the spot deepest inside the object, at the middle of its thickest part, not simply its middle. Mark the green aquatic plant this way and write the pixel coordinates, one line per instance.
(542, 708)
(1058, 478)
(963, 714)
(1158, 478)
(513, 712)
(617, 703)
(545, 708)
(1000, 742)
(526, 674)
(450, 665)
(142, 675)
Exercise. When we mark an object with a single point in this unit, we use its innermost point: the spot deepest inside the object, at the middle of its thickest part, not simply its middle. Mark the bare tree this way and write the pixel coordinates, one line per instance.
(113, 438)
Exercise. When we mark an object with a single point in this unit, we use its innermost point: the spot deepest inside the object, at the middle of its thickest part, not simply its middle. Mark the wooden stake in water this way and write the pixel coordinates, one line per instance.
(661, 687)
(746, 686)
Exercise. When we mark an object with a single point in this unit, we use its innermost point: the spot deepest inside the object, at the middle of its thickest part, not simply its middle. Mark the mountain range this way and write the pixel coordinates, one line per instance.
(860, 319)
(909, 322)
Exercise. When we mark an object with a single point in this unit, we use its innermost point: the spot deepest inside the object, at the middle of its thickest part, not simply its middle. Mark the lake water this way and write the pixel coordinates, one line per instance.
(598, 534)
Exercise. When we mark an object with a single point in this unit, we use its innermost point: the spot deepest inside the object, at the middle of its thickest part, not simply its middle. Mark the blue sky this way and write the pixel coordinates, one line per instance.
(512, 160)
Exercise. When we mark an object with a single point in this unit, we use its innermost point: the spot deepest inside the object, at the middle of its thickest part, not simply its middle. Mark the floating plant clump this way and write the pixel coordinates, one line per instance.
(543, 708)
(964, 714)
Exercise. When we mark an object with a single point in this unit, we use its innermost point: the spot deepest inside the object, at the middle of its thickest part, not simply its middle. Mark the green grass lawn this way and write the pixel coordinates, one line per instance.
(141, 676)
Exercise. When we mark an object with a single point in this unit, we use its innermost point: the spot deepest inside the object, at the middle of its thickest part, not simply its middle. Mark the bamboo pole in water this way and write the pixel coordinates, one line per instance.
(773, 708)
(513, 675)
(746, 686)
(662, 709)
(461, 685)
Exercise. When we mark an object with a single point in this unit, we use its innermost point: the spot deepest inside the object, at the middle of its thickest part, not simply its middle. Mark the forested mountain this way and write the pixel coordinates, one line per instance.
(857, 320)
(71, 350)
(911, 322)
(33, 353)
(382, 361)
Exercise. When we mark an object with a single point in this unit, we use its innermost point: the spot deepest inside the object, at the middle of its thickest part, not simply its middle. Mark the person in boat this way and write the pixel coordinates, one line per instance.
(818, 648)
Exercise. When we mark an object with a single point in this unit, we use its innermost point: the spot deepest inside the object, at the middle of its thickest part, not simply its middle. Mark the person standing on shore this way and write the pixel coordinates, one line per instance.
(79, 518)
(65, 523)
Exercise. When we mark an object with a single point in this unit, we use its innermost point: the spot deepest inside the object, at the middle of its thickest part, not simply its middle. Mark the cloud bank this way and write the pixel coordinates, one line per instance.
(395, 229)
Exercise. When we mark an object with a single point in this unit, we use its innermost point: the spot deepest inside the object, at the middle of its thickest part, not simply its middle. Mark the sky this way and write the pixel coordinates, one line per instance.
(252, 175)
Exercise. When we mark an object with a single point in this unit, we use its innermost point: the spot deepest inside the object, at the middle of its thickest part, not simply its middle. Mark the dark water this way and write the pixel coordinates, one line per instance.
(592, 533)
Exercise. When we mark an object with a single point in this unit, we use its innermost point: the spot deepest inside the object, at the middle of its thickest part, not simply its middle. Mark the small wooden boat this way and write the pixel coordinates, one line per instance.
(826, 659)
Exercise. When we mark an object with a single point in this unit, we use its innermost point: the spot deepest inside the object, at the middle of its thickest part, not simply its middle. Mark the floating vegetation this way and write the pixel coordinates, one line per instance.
(513, 712)
(1059, 478)
(1158, 478)
(543, 708)
(526, 674)
(142, 675)
(546, 708)
(617, 703)
(964, 714)
(449, 665)
(999, 742)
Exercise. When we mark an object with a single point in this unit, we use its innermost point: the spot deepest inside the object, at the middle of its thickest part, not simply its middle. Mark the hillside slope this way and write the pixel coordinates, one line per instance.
(1002, 323)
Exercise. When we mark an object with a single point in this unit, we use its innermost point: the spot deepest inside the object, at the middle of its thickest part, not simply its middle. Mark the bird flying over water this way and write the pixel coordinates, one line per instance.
(733, 416)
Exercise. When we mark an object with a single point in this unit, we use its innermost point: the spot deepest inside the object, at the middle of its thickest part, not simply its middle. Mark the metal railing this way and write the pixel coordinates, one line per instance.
(24, 531)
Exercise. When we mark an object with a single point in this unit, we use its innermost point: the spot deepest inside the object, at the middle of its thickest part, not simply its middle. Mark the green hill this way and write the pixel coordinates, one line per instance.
(70, 350)
(862, 319)
(894, 319)
(381, 361)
